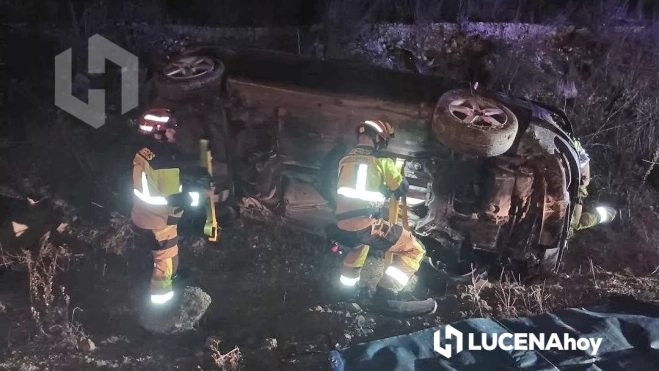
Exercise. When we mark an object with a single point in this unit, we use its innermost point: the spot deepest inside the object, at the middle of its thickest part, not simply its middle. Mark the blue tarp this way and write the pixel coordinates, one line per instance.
(629, 330)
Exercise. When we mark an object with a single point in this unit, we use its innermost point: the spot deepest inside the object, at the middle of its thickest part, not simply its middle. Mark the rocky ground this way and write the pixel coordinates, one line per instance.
(72, 284)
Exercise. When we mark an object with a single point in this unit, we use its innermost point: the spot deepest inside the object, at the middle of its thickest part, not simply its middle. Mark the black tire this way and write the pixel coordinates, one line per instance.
(480, 138)
(174, 88)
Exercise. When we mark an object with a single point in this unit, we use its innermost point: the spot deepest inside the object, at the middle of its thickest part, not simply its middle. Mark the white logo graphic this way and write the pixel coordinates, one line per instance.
(508, 341)
(100, 49)
(450, 333)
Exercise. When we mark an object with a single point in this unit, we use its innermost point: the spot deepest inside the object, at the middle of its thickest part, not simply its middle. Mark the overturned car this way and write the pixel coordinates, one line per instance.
(493, 178)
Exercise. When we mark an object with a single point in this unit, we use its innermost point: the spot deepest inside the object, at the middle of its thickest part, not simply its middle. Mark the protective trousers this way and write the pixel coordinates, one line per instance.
(165, 262)
(583, 219)
(402, 258)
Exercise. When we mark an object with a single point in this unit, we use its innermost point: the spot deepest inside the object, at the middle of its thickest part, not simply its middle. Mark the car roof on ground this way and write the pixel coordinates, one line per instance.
(338, 76)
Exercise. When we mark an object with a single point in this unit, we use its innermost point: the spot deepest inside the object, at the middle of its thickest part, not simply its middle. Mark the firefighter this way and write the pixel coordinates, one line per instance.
(159, 200)
(584, 219)
(366, 178)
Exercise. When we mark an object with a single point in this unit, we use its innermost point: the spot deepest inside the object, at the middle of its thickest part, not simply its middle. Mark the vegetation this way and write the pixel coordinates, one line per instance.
(307, 12)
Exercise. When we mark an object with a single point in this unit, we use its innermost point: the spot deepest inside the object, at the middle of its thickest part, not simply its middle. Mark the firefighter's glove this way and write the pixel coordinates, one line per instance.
(203, 181)
(196, 177)
(402, 189)
(181, 200)
(185, 199)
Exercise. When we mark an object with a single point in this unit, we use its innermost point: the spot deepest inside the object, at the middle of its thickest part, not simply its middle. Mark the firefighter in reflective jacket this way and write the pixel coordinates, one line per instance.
(584, 219)
(159, 200)
(365, 181)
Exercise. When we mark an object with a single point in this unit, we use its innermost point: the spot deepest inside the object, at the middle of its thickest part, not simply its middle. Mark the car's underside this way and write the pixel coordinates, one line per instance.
(498, 195)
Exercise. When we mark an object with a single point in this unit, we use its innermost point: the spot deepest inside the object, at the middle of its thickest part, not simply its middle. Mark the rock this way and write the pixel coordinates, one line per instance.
(18, 228)
(86, 345)
(360, 321)
(114, 340)
(180, 315)
(270, 343)
(353, 307)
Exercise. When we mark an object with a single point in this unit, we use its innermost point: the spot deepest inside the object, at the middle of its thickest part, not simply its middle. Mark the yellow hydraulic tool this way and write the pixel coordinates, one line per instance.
(211, 229)
(394, 205)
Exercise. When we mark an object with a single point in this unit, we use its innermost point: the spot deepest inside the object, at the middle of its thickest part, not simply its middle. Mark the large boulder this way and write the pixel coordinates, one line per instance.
(181, 315)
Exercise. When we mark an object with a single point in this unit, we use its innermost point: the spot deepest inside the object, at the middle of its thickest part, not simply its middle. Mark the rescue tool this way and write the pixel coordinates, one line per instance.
(211, 229)
(394, 205)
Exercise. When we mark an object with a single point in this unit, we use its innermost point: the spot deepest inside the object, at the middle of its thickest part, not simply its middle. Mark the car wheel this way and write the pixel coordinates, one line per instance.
(187, 74)
(473, 125)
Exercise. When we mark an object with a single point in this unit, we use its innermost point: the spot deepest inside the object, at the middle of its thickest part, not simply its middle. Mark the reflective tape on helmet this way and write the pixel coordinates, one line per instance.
(145, 195)
(374, 125)
(156, 118)
(349, 281)
(360, 192)
(162, 298)
(146, 128)
(397, 274)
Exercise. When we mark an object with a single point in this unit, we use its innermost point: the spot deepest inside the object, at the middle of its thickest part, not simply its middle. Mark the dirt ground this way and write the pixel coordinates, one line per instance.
(272, 298)
(273, 291)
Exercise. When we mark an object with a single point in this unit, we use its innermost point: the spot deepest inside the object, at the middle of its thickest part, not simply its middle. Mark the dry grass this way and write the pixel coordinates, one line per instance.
(256, 12)
(230, 361)
(121, 234)
(593, 285)
(49, 302)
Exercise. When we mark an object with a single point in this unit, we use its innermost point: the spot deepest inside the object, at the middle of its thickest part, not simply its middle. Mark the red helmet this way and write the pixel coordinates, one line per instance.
(155, 120)
(380, 131)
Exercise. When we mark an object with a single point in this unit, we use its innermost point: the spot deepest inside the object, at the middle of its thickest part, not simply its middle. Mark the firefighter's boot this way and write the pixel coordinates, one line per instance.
(350, 273)
(403, 304)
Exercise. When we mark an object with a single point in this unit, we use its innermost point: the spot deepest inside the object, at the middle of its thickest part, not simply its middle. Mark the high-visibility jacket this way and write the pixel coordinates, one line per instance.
(366, 176)
(157, 195)
(583, 156)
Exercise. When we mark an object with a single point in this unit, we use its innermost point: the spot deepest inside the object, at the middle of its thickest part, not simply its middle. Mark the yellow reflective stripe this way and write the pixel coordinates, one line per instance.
(349, 281)
(397, 274)
(145, 195)
(162, 298)
(195, 198)
(604, 216)
(360, 191)
(363, 195)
